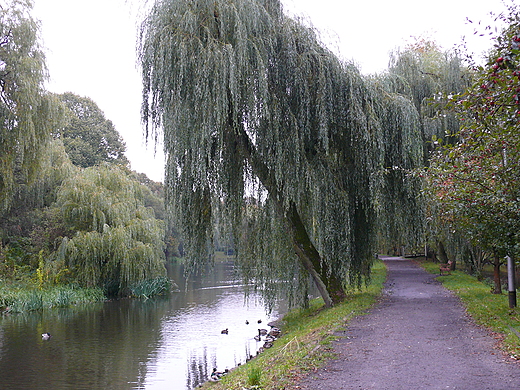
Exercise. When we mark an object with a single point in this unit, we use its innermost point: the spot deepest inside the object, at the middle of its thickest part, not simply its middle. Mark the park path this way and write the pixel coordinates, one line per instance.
(418, 337)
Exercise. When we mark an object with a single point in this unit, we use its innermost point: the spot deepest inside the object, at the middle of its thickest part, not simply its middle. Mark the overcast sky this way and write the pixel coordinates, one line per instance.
(91, 47)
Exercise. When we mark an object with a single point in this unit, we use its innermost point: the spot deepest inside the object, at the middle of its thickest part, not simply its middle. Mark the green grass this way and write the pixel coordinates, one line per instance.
(305, 343)
(21, 297)
(489, 310)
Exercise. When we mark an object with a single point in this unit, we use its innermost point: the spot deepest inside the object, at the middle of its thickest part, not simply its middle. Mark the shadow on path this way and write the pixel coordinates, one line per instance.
(418, 337)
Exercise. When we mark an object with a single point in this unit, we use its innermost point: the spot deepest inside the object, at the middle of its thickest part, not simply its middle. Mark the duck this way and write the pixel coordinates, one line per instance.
(275, 332)
(259, 321)
(247, 322)
(46, 336)
(225, 331)
(262, 332)
(216, 375)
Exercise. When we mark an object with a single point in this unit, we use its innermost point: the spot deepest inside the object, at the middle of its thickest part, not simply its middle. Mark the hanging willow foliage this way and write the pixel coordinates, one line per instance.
(428, 76)
(118, 240)
(269, 137)
(27, 114)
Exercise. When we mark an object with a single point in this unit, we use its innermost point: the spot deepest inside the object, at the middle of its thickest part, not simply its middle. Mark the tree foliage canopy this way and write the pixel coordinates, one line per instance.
(266, 132)
(27, 114)
(89, 137)
(476, 179)
(118, 241)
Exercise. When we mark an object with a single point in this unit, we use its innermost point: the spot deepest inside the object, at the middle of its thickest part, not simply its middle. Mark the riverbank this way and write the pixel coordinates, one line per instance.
(307, 338)
(305, 343)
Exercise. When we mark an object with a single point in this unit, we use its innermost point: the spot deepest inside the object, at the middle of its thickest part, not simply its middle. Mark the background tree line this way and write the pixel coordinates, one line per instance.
(72, 211)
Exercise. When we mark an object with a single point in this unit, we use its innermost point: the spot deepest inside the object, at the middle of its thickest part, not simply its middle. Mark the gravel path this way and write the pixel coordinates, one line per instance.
(418, 337)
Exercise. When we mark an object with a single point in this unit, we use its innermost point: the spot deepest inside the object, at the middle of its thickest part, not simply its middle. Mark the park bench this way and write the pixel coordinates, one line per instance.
(445, 268)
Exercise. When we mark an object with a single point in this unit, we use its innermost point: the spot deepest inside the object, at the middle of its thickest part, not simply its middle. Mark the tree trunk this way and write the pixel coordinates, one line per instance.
(329, 285)
(442, 252)
(496, 275)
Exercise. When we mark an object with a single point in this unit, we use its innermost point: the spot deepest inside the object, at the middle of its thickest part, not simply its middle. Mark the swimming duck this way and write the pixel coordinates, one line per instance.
(225, 331)
(46, 336)
(247, 322)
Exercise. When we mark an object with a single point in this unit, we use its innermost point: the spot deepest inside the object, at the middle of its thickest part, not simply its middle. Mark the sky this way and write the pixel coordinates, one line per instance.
(91, 47)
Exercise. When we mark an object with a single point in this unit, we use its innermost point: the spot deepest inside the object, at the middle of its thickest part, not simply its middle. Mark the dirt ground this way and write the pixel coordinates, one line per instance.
(418, 337)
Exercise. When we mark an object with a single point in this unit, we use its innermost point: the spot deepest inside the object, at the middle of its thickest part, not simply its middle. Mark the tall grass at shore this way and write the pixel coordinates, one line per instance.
(489, 310)
(18, 298)
(150, 287)
(305, 343)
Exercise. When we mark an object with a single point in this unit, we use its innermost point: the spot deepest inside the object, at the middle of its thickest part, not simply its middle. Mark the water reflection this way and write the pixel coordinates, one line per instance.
(172, 342)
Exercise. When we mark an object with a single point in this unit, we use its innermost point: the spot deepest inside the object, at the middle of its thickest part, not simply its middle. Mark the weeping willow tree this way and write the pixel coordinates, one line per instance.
(399, 204)
(27, 113)
(269, 137)
(428, 75)
(118, 241)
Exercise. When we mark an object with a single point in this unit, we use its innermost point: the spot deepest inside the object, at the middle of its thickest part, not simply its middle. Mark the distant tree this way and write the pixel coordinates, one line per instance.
(117, 240)
(27, 113)
(428, 75)
(32, 224)
(89, 137)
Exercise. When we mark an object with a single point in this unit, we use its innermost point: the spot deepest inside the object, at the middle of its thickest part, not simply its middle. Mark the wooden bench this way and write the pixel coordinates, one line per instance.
(445, 268)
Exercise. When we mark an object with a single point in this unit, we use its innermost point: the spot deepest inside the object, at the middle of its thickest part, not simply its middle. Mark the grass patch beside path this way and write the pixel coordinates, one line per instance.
(305, 341)
(489, 310)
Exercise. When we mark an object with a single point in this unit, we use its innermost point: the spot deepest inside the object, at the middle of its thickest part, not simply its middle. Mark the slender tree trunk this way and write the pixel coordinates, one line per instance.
(329, 285)
(496, 275)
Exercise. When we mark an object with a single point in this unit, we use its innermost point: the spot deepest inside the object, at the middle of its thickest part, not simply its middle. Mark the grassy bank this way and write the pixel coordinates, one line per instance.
(489, 310)
(305, 343)
(22, 297)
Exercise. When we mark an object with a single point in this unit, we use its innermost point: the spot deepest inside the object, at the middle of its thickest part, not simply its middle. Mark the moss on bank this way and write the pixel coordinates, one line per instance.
(305, 343)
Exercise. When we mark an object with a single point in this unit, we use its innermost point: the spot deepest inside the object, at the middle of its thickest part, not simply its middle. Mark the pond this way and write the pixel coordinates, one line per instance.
(171, 342)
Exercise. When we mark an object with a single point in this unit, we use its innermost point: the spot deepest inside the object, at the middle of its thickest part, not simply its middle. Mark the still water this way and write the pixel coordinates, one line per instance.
(169, 342)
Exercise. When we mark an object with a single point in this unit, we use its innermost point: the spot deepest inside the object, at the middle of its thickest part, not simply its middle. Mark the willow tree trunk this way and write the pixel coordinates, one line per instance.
(328, 284)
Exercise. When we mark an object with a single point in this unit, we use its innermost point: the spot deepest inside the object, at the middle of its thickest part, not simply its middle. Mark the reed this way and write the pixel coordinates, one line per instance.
(23, 298)
(151, 287)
